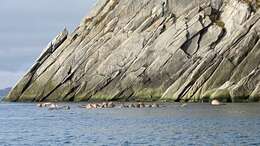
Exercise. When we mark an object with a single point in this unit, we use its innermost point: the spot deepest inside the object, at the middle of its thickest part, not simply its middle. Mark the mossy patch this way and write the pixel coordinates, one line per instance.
(220, 23)
(148, 94)
(207, 95)
(101, 97)
(221, 95)
(254, 98)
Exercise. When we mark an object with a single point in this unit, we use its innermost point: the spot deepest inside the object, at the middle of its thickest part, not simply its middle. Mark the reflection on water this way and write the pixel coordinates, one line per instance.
(194, 124)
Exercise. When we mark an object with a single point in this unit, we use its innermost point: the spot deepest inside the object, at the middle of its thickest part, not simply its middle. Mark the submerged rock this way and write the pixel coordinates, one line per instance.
(148, 50)
(184, 104)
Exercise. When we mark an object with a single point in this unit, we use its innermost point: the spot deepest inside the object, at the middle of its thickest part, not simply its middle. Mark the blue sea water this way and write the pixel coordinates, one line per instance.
(194, 124)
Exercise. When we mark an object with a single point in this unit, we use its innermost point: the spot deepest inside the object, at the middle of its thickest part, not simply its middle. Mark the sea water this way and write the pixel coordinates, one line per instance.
(171, 124)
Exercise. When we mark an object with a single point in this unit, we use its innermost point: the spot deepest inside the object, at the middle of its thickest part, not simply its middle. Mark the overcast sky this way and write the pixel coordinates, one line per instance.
(26, 27)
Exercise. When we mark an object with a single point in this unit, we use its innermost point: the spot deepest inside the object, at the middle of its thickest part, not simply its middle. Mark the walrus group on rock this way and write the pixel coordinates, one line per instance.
(53, 106)
(113, 105)
(105, 105)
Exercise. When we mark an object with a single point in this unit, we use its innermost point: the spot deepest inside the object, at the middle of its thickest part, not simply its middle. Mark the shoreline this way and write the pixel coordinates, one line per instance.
(129, 102)
(125, 102)
(122, 105)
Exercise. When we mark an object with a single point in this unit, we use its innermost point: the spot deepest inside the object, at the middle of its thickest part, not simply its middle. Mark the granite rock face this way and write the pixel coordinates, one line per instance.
(145, 50)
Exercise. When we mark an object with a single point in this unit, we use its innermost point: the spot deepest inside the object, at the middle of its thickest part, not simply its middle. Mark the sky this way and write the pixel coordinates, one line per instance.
(27, 26)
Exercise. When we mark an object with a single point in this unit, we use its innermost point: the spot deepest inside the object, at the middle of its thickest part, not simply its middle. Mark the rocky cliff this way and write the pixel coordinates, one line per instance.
(178, 50)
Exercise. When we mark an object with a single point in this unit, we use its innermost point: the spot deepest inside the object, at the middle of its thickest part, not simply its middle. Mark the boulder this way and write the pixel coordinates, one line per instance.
(215, 102)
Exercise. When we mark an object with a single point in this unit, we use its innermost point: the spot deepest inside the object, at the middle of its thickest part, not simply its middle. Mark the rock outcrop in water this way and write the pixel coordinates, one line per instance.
(179, 50)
